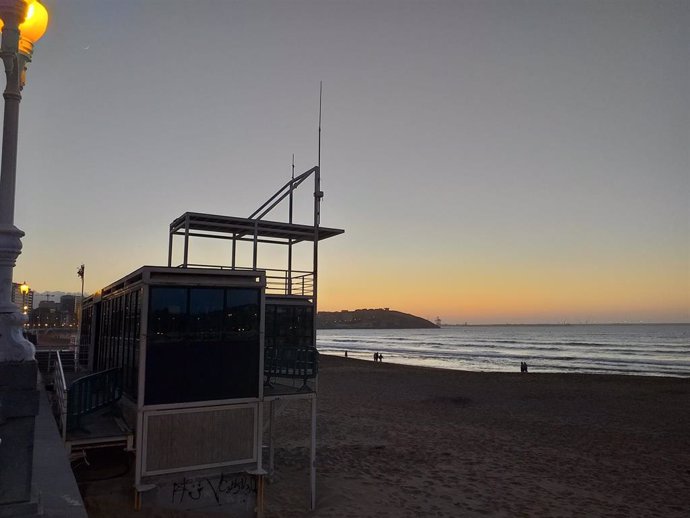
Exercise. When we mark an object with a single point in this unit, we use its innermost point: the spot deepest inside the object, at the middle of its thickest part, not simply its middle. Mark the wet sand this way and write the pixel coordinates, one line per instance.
(402, 441)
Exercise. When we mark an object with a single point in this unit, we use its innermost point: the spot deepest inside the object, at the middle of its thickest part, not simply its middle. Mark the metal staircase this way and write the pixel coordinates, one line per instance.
(81, 409)
(91, 393)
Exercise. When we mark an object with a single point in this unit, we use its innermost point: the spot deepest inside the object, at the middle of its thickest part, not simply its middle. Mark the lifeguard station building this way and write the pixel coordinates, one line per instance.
(192, 355)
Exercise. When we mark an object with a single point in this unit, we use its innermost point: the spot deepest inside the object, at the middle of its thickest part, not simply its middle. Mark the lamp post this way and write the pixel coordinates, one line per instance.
(24, 290)
(23, 23)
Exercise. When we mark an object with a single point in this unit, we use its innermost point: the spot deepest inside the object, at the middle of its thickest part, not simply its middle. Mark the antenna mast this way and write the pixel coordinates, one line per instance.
(320, 96)
(318, 194)
(292, 186)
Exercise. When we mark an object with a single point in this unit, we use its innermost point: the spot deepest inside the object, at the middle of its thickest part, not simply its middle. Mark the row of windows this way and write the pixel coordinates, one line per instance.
(118, 340)
(203, 314)
(202, 344)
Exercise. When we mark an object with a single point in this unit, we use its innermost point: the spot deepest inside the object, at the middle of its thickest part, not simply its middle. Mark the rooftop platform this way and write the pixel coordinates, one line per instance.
(196, 224)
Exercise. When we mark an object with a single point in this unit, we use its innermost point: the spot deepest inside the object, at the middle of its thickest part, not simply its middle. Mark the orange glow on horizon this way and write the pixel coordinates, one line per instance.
(548, 293)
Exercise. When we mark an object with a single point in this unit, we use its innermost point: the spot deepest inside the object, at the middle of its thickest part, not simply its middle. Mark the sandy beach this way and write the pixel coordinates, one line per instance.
(405, 441)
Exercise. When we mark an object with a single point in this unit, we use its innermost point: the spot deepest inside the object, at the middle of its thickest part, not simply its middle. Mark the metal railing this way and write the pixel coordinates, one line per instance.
(291, 362)
(301, 283)
(60, 395)
(93, 392)
(278, 282)
(47, 358)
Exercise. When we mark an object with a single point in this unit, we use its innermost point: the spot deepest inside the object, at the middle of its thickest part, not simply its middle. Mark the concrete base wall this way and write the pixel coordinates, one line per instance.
(18, 409)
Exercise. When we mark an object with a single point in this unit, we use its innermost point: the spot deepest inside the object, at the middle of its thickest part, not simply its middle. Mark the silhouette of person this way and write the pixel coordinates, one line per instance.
(376, 357)
(345, 354)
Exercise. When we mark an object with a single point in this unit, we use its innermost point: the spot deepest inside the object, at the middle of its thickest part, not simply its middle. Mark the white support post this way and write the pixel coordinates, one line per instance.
(271, 446)
(312, 464)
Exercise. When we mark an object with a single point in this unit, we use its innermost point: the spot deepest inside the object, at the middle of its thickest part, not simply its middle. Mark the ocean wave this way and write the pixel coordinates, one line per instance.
(651, 350)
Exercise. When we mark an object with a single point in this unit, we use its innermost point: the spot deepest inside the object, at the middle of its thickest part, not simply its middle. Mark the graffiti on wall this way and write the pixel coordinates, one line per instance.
(222, 489)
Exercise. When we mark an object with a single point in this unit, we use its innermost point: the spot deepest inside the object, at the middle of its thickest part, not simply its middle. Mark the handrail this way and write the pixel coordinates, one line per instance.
(291, 362)
(93, 392)
(277, 281)
(61, 392)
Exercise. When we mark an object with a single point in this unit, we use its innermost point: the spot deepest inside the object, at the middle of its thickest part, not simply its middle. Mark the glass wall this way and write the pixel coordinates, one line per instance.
(289, 326)
(85, 335)
(117, 344)
(202, 344)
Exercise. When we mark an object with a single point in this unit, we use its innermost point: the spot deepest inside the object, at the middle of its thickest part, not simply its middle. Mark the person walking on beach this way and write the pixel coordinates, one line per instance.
(376, 357)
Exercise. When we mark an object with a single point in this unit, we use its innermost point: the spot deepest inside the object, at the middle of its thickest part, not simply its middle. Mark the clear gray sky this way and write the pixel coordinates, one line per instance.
(491, 161)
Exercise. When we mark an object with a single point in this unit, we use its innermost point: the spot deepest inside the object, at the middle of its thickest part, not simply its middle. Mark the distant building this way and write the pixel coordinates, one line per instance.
(47, 314)
(68, 310)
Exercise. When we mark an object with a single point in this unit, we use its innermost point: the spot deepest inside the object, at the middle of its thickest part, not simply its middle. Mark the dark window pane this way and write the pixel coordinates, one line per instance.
(215, 355)
(241, 313)
(282, 325)
(168, 314)
(289, 326)
(269, 326)
(205, 313)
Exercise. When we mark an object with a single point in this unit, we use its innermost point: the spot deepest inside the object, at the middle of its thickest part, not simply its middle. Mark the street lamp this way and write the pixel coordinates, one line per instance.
(23, 22)
(24, 290)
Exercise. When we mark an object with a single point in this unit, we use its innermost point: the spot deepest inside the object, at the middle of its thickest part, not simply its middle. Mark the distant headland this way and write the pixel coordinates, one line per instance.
(382, 318)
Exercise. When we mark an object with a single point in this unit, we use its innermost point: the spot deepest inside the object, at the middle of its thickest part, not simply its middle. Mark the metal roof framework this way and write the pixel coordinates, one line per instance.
(258, 230)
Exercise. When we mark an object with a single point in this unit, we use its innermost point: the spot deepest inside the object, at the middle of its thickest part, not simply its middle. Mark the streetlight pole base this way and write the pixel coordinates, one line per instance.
(13, 346)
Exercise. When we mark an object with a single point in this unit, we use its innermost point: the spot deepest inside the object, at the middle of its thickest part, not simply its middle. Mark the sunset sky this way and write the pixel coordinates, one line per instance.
(490, 161)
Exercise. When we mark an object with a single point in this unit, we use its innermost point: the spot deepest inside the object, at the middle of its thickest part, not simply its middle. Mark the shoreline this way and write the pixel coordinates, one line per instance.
(532, 366)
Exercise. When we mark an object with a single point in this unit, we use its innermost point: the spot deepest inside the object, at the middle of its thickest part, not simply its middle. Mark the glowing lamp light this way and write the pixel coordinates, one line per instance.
(24, 288)
(33, 27)
(36, 22)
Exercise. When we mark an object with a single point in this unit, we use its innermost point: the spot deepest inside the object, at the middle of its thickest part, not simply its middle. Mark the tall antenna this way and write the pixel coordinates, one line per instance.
(292, 185)
(289, 275)
(320, 96)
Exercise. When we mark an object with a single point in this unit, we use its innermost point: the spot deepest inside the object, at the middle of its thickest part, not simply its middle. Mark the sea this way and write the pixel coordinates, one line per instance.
(634, 349)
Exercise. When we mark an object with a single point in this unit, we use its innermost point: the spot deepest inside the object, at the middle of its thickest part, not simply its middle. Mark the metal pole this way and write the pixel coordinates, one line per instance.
(315, 267)
(80, 274)
(186, 240)
(271, 446)
(256, 244)
(18, 368)
(312, 457)
(170, 247)
(289, 274)
(13, 346)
